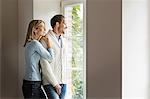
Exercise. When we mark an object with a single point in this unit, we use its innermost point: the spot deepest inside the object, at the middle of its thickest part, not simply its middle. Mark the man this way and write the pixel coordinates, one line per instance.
(53, 73)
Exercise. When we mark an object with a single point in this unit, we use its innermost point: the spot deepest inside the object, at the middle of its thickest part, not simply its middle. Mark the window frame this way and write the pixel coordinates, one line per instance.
(73, 2)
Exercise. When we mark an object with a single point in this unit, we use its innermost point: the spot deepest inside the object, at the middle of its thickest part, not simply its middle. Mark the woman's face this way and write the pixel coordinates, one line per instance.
(40, 29)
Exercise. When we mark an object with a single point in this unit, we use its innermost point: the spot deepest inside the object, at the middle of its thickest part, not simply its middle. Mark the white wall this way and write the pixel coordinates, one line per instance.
(45, 10)
(135, 40)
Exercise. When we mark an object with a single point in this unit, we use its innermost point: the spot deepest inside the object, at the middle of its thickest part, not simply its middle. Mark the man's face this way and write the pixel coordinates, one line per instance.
(62, 26)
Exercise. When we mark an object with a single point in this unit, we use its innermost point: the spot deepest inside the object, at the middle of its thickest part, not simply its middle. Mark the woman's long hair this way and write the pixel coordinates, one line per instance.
(33, 24)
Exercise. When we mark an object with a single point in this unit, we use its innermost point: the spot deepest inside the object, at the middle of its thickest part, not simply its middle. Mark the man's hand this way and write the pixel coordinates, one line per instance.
(58, 89)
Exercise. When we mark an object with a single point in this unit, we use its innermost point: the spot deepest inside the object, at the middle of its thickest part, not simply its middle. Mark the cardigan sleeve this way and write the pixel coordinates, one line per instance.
(48, 73)
(46, 69)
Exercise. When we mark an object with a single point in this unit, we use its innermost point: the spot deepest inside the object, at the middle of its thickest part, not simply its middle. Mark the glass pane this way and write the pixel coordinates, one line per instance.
(75, 48)
(77, 84)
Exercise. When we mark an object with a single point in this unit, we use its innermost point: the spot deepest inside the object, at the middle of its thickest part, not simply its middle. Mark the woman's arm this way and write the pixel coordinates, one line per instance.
(47, 54)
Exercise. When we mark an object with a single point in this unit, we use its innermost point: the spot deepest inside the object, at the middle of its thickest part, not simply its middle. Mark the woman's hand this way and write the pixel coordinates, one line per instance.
(58, 89)
(48, 41)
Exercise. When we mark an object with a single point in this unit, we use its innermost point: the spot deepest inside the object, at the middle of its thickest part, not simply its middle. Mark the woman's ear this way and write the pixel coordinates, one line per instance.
(34, 31)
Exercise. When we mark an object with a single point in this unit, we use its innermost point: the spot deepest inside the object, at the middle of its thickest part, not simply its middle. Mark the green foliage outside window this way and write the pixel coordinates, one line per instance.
(77, 53)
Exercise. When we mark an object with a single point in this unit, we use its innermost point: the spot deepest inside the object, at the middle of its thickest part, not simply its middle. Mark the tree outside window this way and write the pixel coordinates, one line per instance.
(75, 49)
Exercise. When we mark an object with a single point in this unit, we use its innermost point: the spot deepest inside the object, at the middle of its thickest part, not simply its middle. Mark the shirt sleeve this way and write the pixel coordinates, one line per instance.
(47, 54)
(47, 72)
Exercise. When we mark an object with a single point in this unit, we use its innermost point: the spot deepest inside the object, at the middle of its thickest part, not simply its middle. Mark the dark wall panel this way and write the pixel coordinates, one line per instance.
(104, 49)
(9, 38)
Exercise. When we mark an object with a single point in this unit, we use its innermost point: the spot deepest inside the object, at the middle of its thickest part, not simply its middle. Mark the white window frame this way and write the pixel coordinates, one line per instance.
(72, 2)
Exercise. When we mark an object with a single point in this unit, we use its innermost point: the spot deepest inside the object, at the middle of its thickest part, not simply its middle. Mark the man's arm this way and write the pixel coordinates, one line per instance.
(47, 72)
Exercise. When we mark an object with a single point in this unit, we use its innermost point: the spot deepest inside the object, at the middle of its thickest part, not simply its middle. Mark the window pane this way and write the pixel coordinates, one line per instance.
(75, 48)
(77, 84)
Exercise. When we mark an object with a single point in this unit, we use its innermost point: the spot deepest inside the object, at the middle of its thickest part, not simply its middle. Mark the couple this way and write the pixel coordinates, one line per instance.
(44, 57)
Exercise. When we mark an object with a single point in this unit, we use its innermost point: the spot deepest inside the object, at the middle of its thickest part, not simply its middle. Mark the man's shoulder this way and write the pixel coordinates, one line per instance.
(50, 32)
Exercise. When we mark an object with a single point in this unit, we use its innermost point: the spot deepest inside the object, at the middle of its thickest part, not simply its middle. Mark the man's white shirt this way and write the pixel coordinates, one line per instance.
(54, 72)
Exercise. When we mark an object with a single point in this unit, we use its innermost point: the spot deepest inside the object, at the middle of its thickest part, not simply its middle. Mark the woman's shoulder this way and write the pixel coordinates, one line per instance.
(33, 43)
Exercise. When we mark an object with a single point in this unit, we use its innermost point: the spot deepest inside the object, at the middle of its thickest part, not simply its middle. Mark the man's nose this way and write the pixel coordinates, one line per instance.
(65, 26)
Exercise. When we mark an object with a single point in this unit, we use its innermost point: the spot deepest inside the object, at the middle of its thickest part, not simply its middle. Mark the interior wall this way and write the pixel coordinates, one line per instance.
(136, 56)
(104, 49)
(25, 15)
(9, 47)
(45, 10)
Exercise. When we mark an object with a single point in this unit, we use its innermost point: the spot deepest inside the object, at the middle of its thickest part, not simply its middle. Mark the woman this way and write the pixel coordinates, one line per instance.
(34, 51)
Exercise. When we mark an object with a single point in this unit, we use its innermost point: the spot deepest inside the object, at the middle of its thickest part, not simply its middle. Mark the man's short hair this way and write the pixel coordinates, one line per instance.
(56, 18)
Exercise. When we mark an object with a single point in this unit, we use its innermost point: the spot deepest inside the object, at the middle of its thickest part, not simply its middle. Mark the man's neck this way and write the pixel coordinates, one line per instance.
(56, 31)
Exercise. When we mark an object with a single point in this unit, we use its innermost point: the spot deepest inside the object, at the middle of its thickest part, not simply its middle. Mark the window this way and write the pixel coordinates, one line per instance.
(75, 35)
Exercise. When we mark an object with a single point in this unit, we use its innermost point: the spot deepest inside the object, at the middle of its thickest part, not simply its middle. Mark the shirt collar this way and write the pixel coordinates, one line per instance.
(57, 36)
